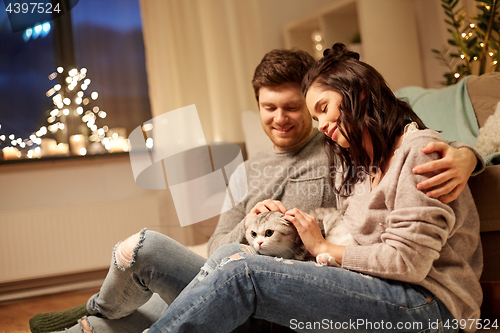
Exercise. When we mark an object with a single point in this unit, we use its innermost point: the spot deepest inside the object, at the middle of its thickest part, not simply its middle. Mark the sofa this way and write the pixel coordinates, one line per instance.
(484, 93)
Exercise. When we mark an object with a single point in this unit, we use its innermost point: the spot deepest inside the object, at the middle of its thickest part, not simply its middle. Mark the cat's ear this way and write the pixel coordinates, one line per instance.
(248, 220)
(285, 222)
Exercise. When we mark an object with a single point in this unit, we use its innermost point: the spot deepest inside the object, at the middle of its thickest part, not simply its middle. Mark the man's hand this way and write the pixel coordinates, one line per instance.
(456, 165)
(266, 206)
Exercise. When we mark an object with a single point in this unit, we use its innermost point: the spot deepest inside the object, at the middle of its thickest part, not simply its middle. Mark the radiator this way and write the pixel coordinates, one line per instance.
(48, 241)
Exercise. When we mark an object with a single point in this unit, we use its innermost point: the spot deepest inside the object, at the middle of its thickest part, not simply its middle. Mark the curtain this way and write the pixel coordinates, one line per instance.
(203, 52)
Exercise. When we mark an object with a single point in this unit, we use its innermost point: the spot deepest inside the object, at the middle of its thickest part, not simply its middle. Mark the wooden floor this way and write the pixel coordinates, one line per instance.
(14, 315)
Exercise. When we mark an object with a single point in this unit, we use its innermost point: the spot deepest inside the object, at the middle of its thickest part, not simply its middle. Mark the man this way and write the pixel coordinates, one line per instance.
(293, 174)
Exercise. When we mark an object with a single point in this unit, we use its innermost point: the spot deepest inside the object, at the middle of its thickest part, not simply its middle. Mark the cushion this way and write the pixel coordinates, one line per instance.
(484, 93)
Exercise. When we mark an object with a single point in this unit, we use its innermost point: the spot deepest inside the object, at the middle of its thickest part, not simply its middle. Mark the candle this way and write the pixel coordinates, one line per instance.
(77, 144)
(117, 145)
(11, 153)
(49, 147)
(62, 149)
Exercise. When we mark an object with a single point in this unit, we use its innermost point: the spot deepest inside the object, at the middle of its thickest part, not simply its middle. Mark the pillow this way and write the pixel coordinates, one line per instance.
(484, 94)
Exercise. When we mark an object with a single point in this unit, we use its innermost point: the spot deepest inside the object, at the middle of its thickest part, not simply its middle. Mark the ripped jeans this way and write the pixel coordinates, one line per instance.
(234, 285)
(140, 283)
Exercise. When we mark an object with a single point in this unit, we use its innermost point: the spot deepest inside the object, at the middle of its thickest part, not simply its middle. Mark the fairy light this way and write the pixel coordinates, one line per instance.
(60, 99)
(457, 75)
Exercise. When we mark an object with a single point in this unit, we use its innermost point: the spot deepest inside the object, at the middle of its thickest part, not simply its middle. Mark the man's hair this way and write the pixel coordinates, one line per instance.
(281, 66)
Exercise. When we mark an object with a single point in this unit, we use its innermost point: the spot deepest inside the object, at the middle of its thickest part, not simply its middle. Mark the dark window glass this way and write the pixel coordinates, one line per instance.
(108, 45)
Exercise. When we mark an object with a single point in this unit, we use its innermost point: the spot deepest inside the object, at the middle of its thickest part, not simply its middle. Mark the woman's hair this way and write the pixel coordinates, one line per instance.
(367, 103)
(281, 66)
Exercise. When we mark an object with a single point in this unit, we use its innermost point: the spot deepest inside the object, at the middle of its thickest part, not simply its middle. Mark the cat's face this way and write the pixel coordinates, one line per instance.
(271, 235)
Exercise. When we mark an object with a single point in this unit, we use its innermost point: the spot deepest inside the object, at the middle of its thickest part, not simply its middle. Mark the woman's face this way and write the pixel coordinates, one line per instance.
(324, 107)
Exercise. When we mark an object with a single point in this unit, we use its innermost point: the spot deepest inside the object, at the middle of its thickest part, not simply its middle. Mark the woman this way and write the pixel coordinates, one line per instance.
(418, 261)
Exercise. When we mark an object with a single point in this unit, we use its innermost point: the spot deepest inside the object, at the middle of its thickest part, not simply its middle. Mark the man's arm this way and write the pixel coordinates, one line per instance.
(230, 227)
(458, 161)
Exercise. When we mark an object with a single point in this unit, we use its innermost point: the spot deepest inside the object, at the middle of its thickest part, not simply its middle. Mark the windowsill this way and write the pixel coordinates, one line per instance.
(86, 158)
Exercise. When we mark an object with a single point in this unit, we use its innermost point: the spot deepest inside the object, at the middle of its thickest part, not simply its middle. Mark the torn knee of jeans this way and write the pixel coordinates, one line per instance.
(125, 252)
(204, 271)
(248, 249)
(86, 327)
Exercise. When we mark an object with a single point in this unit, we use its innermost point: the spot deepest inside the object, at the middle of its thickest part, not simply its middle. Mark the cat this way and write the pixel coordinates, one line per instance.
(269, 234)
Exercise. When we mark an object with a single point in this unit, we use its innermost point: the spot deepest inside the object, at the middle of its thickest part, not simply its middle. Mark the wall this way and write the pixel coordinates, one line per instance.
(65, 215)
(204, 52)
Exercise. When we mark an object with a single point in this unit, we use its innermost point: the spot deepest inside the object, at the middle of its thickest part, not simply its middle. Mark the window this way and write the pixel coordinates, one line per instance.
(106, 48)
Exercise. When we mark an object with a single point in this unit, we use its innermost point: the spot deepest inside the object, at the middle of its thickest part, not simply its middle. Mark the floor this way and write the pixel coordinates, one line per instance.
(14, 316)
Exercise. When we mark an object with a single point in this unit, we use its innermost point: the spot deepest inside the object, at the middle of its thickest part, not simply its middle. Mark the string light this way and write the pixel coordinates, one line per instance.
(56, 123)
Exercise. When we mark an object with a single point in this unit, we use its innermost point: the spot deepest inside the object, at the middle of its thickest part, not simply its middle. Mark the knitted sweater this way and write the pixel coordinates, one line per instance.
(296, 177)
(405, 235)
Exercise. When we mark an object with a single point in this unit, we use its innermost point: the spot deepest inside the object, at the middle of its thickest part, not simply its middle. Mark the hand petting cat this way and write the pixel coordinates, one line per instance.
(268, 205)
(310, 233)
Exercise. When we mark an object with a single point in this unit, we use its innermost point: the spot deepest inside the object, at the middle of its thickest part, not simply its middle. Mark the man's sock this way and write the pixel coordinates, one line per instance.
(57, 320)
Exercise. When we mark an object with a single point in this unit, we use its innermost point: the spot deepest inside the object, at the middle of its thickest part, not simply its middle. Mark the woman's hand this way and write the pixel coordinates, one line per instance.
(308, 230)
(456, 164)
(266, 206)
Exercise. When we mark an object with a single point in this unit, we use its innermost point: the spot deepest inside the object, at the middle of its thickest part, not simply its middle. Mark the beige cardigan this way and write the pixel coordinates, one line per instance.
(405, 235)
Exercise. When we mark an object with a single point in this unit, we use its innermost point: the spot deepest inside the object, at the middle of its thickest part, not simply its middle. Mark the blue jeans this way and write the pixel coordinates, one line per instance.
(132, 299)
(301, 295)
